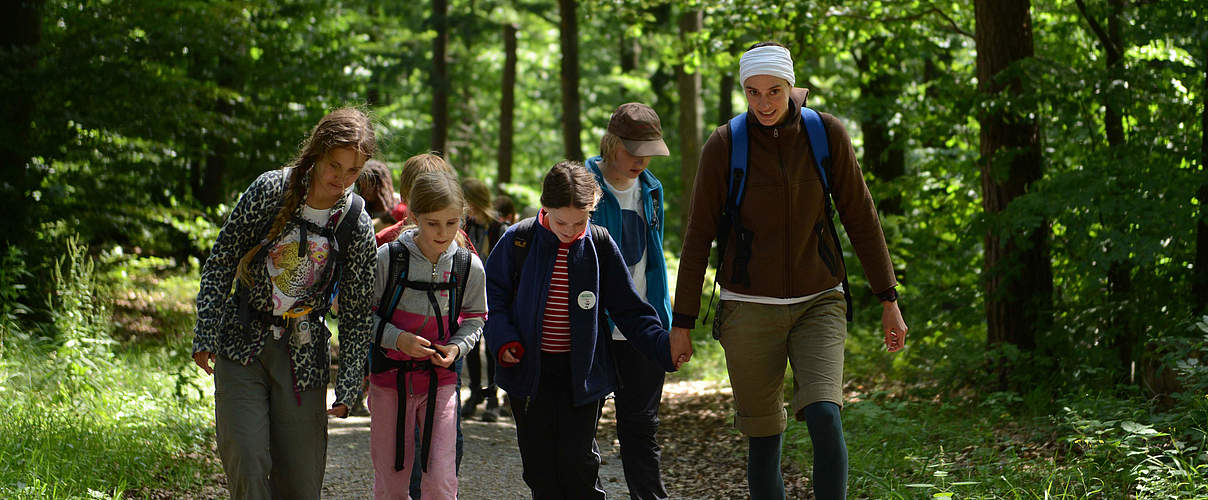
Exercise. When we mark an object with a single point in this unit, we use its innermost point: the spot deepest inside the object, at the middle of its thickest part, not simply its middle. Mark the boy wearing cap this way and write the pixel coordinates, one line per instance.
(631, 208)
(789, 305)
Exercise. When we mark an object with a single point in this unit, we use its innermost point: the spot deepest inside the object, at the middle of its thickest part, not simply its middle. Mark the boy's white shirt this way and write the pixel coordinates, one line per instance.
(631, 199)
(415, 301)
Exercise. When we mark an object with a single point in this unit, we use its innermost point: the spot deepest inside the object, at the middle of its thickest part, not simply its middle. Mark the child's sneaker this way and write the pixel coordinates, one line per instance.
(469, 409)
(491, 413)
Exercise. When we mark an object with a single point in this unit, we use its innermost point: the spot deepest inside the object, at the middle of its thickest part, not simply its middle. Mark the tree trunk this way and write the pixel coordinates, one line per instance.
(630, 53)
(507, 106)
(440, 76)
(20, 34)
(1019, 284)
(1200, 279)
(690, 110)
(569, 30)
(882, 157)
(725, 97)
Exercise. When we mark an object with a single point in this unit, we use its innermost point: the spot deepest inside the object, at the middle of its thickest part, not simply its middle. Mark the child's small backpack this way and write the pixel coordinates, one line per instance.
(396, 281)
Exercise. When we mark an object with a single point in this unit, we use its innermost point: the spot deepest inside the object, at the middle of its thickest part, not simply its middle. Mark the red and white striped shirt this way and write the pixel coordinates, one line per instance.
(555, 325)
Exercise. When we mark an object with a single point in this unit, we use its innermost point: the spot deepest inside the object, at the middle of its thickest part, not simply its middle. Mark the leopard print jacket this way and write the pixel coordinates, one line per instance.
(218, 329)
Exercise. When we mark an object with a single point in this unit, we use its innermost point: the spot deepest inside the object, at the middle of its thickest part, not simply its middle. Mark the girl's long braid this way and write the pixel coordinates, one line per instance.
(345, 127)
(295, 192)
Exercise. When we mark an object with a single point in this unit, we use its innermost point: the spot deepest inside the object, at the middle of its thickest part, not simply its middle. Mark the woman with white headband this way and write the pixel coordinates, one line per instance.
(782, 275)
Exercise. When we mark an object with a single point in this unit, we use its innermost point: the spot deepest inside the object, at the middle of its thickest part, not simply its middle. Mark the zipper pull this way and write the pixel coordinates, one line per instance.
(776, 133)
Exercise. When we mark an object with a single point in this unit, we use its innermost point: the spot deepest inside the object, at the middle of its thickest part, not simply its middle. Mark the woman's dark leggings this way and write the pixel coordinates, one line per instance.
(830, 457)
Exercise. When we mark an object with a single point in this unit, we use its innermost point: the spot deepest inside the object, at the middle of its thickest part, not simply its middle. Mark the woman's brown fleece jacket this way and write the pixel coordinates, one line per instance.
(782, 206)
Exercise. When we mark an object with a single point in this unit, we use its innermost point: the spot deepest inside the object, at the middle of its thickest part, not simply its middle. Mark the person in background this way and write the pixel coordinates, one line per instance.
(484, 230)
(631, 208)
(412, 168)
(291, 237)
(548, 333)
(505, 209)
(376, 186)
(782, 293)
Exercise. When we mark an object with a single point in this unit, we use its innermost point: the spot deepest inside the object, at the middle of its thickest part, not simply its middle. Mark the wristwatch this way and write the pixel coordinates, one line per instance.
(889, 295)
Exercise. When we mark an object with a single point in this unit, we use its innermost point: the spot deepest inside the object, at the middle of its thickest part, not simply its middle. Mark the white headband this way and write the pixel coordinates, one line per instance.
(770, 60)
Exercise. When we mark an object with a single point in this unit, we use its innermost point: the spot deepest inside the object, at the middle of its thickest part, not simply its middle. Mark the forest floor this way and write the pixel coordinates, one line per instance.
(703, 456)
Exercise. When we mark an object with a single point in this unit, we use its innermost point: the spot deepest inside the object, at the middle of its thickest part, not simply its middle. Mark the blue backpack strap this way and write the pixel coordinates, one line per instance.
(739, 152)
(821, 147)
(818, 142)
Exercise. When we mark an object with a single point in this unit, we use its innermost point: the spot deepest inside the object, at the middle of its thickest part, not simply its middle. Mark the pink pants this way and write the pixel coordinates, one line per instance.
(440, 481)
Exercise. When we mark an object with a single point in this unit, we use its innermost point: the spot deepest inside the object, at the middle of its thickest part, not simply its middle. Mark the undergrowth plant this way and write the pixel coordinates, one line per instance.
(89, 417)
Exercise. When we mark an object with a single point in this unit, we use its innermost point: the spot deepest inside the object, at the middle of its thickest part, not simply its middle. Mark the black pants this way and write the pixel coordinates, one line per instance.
(557, 439)
(474, 365)
(637, 400)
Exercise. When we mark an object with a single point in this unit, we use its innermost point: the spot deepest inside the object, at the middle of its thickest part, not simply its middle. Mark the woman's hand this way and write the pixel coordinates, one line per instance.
(205, 360)
(894, 326)
(413, 345)
(445, 355)
(681, 346)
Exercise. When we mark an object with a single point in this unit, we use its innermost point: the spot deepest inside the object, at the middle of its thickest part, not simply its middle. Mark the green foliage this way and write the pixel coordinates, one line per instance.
(12, 292)
(89, 417)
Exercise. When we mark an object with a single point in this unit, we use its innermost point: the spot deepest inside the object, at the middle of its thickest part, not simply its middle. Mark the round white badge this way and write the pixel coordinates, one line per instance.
(587, 300)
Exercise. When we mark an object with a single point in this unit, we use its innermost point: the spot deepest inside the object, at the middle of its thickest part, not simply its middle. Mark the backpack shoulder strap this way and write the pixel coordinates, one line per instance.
(739, 153)
(396, 278)
(598, 233)
(348, 224)
(522, 239)
(461, 273)
(819, 143)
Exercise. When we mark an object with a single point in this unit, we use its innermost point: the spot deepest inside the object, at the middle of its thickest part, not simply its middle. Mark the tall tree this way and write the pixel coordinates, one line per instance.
(1200, 280)
(1019, 282)
(690, 106)
(883, 157)
(569, 40)
(20, 33)
(1119, 271)
(507, 106)
(440, 76)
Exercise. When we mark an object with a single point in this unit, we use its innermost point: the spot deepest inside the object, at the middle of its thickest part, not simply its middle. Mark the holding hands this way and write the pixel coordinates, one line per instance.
(681, 346)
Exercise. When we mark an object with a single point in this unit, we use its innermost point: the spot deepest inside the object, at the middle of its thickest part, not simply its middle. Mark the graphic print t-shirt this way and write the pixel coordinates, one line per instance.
(633, 237)
(294, 276)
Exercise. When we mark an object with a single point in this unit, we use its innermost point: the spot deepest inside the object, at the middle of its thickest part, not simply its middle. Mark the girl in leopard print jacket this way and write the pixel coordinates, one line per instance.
(268, 341)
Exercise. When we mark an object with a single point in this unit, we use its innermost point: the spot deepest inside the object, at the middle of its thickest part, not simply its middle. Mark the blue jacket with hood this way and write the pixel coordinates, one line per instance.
(599, 280)
(608, 214)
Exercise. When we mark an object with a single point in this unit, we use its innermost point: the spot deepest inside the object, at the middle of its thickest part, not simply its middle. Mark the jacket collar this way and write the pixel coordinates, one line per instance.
(648, 180)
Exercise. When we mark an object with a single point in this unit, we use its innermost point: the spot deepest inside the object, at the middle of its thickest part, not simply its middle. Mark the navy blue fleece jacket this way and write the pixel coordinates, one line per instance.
(599, 280)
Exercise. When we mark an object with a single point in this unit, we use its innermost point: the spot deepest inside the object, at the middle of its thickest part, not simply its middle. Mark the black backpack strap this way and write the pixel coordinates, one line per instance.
(400, 259)
(522, 240)
(461, 274)
(341, 244)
